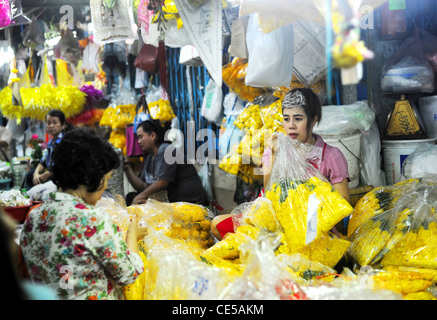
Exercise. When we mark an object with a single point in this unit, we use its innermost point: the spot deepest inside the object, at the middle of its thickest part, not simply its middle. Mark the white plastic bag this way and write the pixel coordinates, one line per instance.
(421, 163)
(212, 104)
(271, 55)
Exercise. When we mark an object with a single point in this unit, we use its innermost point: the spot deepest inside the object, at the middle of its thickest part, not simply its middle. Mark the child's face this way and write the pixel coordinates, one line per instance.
(295, 124)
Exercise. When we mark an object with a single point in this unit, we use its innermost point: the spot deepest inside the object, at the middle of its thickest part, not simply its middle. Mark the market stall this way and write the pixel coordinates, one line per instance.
(216, 73)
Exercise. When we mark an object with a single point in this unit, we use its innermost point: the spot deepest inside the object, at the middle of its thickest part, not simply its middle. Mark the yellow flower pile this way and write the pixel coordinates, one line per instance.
(412, 283)
(400, 237)
(259, 213)
(290, 199)
(379, 200)
(184, 221)
(258, 123)
(250, 118)
(234, 74)
(368, 241)
(305, 269)
(234, 164)
(118, 117)
(7, 108)
(418, 248)
(36, 102)
(161, 110)
(327, 250)
(118, 139)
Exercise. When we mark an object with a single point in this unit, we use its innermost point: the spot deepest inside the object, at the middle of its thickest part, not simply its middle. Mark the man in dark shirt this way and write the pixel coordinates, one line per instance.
(181, 181)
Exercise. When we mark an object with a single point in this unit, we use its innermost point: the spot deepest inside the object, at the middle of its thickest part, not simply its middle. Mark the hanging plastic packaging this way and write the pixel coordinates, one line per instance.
(408, 70)
(345, 119)
(113, 23)
(212, 104)
(271, 55)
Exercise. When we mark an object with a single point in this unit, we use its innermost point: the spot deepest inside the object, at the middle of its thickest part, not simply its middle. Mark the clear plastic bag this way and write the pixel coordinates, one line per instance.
(345, 119)
(421, 163)
(306, 204)
(212, 104)
(258, 213)
(370, 157)
(263, 277)
(371, 237)
(179, 272)
(408, 71)
(379, 200)
(418, 247)
(405, 233)
(186, 222)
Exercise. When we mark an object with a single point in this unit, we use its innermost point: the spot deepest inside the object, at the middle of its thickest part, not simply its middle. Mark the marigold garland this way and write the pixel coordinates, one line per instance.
(36, 102)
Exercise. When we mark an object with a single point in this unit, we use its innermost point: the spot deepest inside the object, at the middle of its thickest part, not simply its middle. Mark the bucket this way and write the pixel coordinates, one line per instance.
(349, 144)
(394, 153)
(428, 113)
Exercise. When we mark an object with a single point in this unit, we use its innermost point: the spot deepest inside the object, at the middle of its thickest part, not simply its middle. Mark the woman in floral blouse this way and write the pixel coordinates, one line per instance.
(68, 243)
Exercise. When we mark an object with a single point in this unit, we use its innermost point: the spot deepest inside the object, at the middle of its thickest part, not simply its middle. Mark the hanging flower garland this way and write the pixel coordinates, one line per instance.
(7, 108)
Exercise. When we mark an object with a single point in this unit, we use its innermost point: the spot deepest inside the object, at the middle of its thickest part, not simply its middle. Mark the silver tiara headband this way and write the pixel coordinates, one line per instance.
(296, 99)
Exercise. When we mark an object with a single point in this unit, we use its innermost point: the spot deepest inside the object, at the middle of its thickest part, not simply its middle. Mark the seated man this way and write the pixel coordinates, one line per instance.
(181, 181)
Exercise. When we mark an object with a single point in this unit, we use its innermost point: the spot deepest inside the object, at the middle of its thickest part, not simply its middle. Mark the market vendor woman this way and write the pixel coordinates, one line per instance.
(180, 181)
(301, 110)
(68, 243)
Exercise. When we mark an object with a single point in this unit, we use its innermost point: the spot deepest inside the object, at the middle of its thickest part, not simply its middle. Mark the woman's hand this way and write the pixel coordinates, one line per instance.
(272, 142)
(134, 228)
(134, 234)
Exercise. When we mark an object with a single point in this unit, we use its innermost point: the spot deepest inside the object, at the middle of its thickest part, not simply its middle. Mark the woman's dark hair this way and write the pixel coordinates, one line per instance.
(150, 126)
(61, 116)
(82, 158)
(8, 269)
(311, 104)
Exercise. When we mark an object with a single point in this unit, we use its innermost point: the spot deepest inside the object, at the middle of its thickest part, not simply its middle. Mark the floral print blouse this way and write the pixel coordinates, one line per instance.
(76, 249)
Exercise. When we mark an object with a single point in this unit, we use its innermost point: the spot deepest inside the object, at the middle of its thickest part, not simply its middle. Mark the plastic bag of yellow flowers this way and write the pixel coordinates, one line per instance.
(418, 247)
(379, 200)
(190, 223)
(176, 271)
(405, 235)
(161, 110)
(306, 204)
